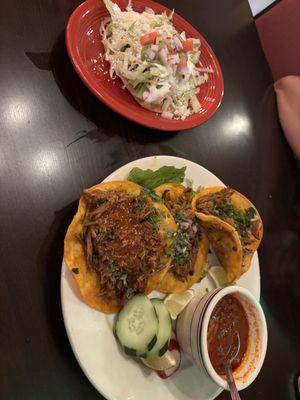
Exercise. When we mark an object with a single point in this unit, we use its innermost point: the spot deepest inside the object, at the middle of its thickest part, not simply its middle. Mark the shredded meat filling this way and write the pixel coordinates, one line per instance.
(122, 242)
(187, 237)
(245, 222)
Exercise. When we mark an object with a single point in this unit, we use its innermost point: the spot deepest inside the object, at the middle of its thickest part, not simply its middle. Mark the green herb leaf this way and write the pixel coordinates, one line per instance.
(203, 275)
(151, 179)
(250, 212)
(154, 217)
(111, 266)
(147, 192)
(181, 259)
(180, 216)
(110, 234)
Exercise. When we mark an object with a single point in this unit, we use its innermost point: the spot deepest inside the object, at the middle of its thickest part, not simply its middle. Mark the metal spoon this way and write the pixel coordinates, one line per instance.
(232, 353)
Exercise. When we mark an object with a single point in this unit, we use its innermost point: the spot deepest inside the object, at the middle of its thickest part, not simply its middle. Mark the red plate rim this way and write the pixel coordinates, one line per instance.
(152, 120)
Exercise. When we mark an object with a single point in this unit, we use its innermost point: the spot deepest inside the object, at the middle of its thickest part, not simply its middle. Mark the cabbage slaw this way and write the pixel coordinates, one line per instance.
(156, 63)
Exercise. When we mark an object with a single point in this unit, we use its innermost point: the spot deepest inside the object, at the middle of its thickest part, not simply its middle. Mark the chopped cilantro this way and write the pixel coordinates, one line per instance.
(250, 212)
(180, 216)
(181, 259)
(154, 217)
(243, 219)
(110, 234)
(203, 275)
(140, 204)
(150, 193)
(81, 234)
(112, 267)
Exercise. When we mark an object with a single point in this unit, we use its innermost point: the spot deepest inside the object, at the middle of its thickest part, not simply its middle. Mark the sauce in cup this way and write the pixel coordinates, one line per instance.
(227, 318)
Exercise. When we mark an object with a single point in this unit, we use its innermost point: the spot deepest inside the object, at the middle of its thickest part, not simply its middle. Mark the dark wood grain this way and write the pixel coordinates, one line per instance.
(56, 139)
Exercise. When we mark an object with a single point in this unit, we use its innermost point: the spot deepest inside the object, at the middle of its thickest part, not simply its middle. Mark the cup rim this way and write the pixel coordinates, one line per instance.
(204, 327)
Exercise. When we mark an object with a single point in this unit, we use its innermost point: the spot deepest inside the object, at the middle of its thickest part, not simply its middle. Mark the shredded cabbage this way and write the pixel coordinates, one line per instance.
(159, 74)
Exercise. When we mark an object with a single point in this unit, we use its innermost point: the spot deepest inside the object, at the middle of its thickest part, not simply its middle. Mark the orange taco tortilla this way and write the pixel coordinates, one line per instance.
(190, 241)
(233, 225)
(118, 244)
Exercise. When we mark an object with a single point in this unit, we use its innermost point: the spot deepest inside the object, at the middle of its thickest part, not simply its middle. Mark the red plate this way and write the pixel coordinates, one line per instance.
(85, 48)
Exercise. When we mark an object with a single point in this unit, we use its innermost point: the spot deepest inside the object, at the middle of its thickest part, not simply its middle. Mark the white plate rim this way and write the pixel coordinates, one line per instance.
(168, 160)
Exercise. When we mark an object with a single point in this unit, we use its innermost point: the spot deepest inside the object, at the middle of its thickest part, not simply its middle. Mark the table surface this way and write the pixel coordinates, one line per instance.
(56, 139)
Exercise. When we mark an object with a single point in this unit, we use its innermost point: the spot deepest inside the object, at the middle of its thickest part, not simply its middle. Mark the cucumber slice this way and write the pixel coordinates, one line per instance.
(137, 326)
(164, 330)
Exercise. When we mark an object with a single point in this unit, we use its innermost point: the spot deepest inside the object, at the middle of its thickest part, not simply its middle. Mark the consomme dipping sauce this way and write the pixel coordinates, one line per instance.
(227, 318)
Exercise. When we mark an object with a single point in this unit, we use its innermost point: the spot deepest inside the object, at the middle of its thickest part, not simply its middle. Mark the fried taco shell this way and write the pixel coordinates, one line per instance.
(187, 265)
(233, 225)
(118, 244)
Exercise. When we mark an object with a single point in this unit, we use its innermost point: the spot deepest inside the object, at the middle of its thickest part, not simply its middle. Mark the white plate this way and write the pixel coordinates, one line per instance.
(114, 375)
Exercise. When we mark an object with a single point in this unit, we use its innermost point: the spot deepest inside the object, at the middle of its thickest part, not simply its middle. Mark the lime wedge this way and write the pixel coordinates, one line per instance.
(207, 284)
(218, 275)
(176, 302)
(167, 361)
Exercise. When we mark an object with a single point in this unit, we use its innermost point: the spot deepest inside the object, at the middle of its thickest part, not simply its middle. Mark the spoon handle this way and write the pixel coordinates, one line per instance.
(231, 383)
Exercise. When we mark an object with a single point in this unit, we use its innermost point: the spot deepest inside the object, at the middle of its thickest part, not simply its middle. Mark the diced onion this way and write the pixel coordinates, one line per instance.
(163, 56)
(167, 114)
(151, 54)
(182, 35)
(149, 10)
(208, 69)
(195, 104)
(145, 94)
(177, 43)
(185, 225)
(173, 59)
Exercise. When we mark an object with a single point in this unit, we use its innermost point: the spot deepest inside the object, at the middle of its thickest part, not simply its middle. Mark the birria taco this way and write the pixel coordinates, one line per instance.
(233, 225)
(118, 244)
(190, 241)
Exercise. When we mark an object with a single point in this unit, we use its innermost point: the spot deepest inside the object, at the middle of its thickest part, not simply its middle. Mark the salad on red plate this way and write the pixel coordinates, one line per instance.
(156, 63)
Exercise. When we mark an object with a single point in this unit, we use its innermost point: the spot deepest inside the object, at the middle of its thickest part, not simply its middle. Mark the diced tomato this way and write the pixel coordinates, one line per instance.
(182, 63)
(149, 38)
(188, 45)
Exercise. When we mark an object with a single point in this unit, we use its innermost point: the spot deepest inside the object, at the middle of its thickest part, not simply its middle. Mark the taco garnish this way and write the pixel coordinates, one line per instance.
(190, 241)
(118, 244)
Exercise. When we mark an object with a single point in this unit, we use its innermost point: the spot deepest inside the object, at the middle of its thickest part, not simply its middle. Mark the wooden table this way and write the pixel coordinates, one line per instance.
(56, 139)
